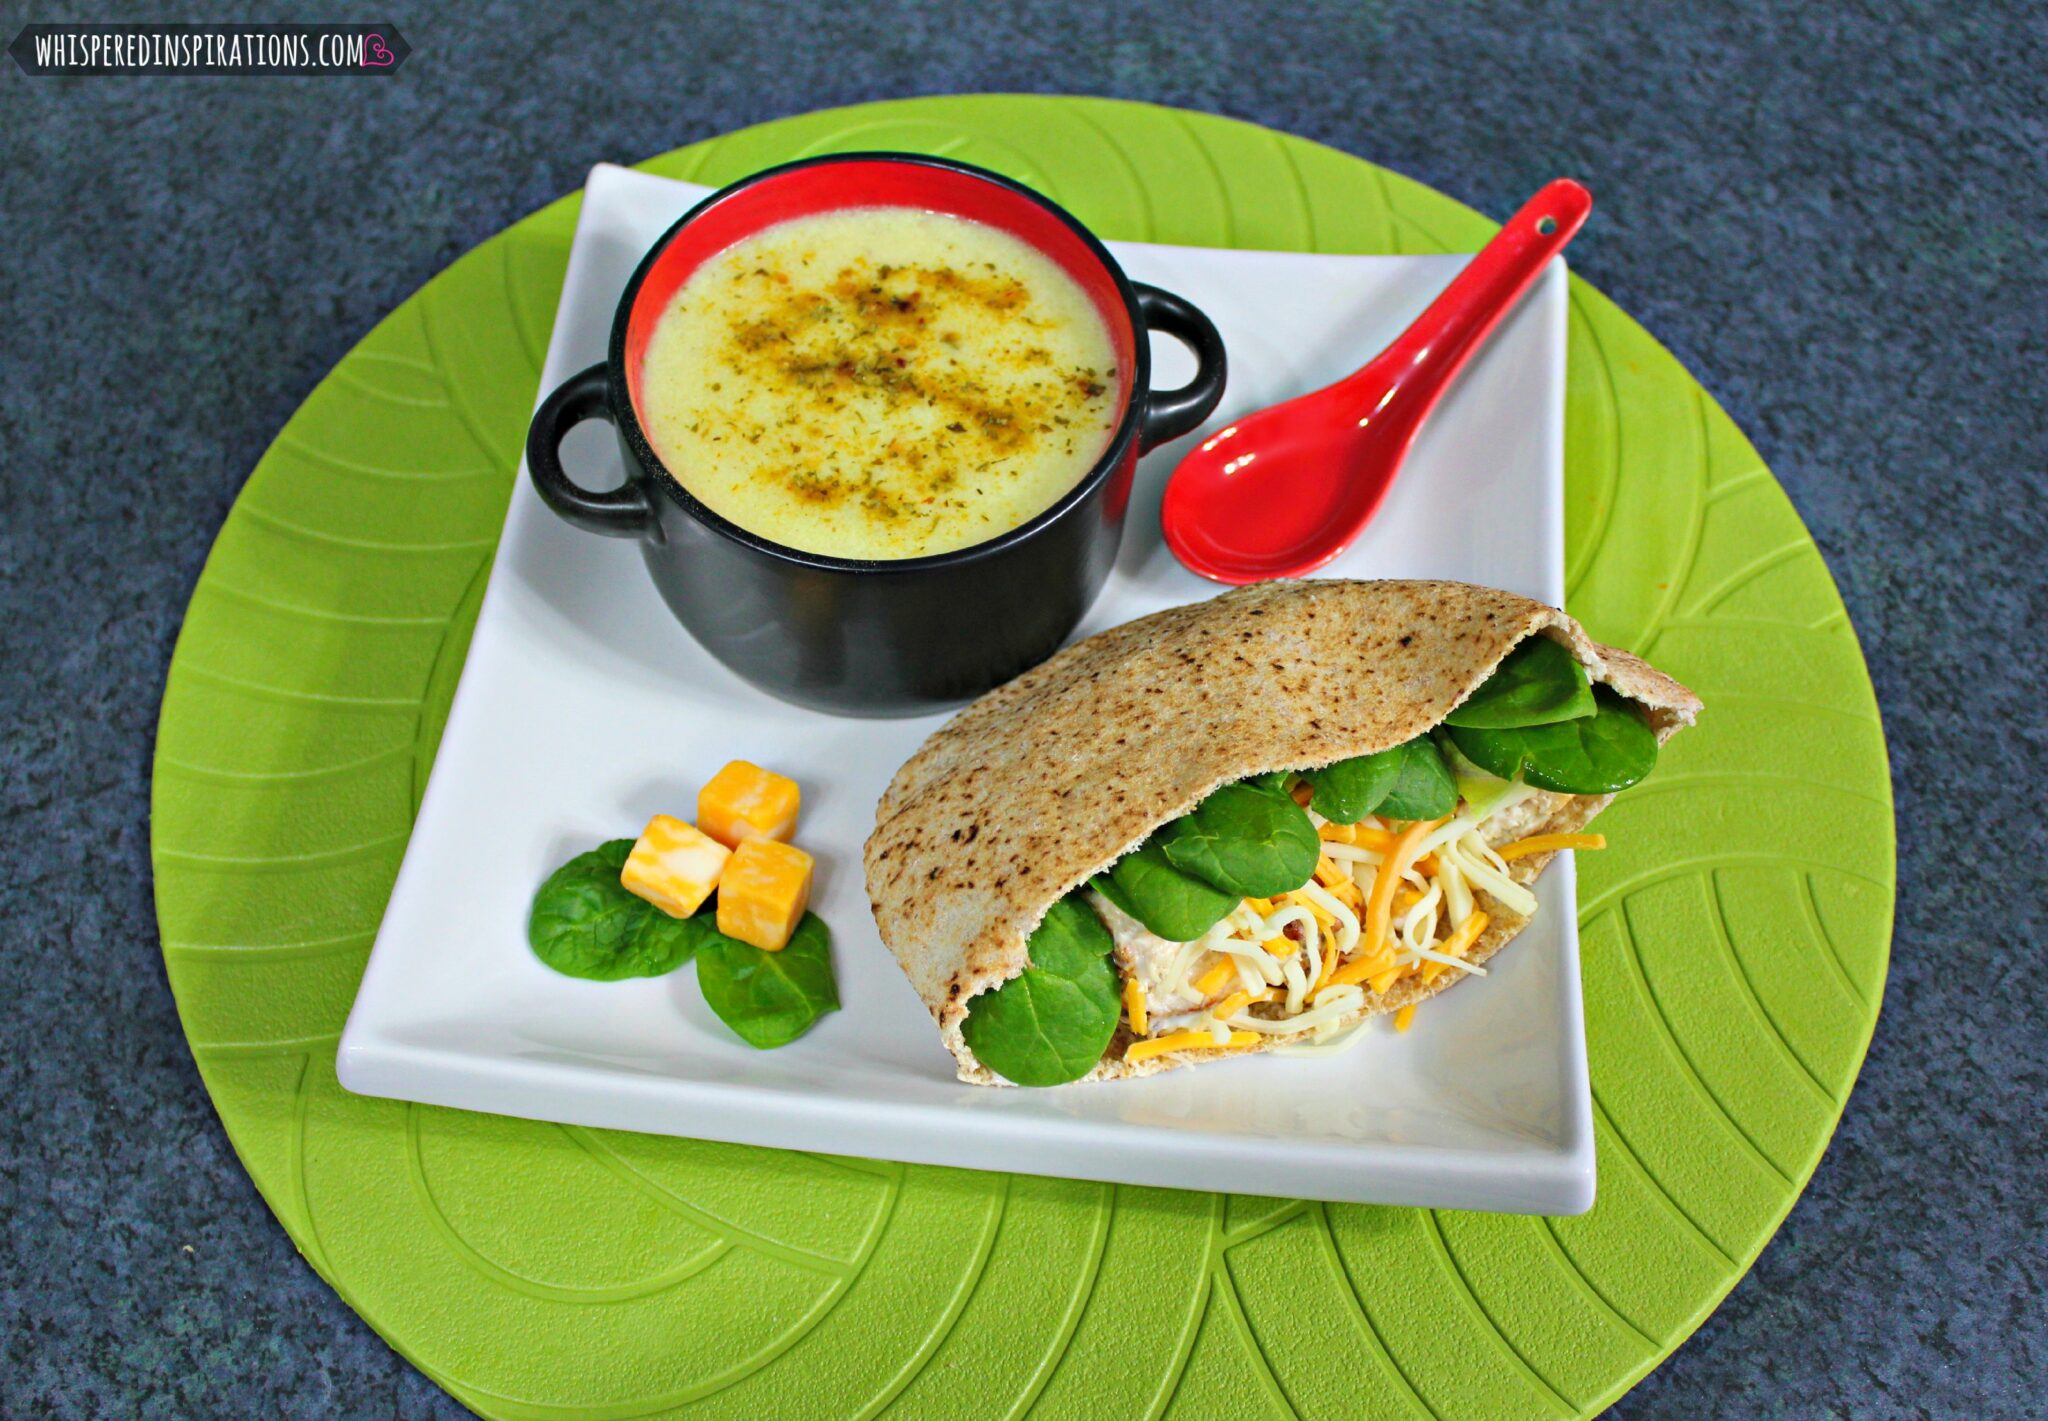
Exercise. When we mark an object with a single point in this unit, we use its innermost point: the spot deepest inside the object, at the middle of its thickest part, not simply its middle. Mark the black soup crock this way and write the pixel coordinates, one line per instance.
(844, 635)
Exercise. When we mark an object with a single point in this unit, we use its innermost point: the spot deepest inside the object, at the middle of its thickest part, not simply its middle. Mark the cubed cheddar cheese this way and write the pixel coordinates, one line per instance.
(744, 801)
(767, 886)
(674, 866)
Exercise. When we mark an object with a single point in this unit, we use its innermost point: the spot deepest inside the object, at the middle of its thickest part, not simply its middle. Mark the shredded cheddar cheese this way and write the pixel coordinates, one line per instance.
(1216, 978)
(1362, 836)
(1379, 907)
(1388, 902)
(1236, 1002)
(1357, 971)
(1459, 943)
(1545, 843)
(1186, 1041)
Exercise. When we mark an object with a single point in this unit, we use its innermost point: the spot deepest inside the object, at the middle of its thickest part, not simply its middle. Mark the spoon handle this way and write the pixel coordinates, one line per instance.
(1421, 363)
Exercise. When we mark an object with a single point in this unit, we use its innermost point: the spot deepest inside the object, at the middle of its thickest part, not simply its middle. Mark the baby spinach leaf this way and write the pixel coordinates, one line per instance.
(1351, 789)
(1051, 1024)
(1177, 906)
(1274, 779)
(585, 924)
(1598, 754)
(1424, 788)
(767, 998)
(1244, 839)
(1539, 683)
(1481, 793)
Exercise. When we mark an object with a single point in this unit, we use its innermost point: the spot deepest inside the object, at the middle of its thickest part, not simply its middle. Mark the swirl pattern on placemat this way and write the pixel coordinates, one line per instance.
(1735, 938)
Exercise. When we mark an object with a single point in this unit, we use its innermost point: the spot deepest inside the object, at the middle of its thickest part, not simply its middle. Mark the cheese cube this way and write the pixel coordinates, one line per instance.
(767, 886)
(674, 866)
(744, 801)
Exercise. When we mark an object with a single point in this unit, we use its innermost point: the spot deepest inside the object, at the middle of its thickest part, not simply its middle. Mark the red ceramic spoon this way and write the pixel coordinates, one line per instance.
(1282, 491)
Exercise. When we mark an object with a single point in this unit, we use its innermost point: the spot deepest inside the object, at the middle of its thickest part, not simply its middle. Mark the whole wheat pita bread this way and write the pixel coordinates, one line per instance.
(1047, 780)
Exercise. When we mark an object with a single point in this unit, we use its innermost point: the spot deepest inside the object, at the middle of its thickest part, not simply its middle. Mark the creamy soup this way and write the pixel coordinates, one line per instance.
(879, 383)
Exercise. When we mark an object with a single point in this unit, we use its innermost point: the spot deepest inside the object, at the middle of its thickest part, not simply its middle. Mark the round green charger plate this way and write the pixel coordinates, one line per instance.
(1735, 937)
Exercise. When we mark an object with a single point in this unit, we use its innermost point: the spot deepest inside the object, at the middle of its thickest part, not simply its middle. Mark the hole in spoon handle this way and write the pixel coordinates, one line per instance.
(1556, 212)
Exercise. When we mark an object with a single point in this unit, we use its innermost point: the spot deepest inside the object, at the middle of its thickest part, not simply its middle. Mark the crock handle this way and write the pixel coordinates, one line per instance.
(1169, 414)
(623, 512)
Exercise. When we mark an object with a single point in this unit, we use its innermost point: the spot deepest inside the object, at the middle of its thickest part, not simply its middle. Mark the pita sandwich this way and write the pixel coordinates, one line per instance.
(1147, 774)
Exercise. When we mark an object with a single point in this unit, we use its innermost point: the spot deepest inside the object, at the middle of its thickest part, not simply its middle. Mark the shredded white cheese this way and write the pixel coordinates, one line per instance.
(1277, 956)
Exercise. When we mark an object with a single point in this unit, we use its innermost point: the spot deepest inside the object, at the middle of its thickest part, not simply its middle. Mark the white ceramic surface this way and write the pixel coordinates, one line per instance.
(584, 708)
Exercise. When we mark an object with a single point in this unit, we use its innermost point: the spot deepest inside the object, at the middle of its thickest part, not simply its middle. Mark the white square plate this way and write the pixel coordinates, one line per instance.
(584, 708)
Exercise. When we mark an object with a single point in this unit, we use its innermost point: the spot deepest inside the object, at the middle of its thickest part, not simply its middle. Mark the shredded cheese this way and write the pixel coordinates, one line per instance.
(1457, 893)
(1362, 835)
(1371, 916)
(1379, 906)
(1236, 1002)
(1456, 946)
(1358, 971)
(1481, 868)
(1216, 978)
(1185, 1041)
(1545, 843)
(1330, 1007)
(1327, 906)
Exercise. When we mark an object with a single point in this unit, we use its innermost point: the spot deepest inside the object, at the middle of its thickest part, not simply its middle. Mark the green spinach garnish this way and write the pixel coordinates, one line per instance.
(1177, 906)
(1540, 683)
(1248, 839)
(1347, 791)
(1245, 839)
(1425, 788)
(1597, 754)
(585, 924)
(1051, 1024)
(767, 998)
(1410, 781)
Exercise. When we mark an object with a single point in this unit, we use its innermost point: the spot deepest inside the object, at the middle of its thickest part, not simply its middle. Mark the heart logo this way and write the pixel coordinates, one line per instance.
(376, 53)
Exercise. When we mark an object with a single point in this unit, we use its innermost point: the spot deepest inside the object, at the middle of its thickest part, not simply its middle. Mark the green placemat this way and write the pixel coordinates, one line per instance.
(1735, 937)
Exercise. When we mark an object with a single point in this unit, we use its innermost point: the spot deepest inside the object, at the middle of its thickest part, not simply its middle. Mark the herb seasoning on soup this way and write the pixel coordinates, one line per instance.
(879, 383)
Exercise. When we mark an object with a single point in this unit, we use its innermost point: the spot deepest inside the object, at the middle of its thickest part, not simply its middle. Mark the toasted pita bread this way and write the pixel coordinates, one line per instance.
(1051, 778)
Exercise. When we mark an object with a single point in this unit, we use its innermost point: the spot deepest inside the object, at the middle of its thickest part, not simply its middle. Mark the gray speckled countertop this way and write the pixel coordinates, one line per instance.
(1834, 215)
